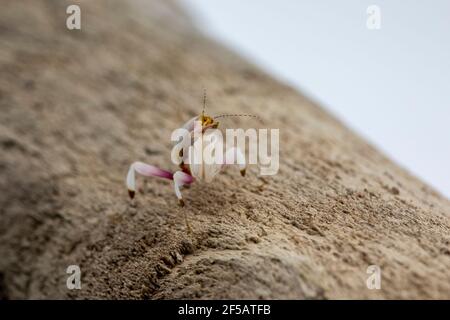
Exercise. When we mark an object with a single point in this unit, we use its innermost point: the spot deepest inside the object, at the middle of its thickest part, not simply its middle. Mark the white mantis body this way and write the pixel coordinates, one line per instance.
(189, 171)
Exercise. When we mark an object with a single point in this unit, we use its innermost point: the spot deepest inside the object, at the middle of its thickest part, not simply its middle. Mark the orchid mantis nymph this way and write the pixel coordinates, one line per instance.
(189, 171)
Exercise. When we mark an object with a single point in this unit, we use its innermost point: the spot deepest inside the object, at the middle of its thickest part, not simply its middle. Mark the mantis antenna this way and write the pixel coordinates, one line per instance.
(237, 115)
(204, 103)
(225, 115)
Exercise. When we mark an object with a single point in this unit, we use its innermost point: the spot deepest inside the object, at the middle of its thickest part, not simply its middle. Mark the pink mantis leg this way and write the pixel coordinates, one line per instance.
(179, 178)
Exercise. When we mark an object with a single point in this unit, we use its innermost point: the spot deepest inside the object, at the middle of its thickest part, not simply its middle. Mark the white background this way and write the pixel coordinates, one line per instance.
(390, 85)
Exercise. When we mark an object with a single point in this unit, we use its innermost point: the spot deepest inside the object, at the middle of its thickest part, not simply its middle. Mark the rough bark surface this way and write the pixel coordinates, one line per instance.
(77, 107)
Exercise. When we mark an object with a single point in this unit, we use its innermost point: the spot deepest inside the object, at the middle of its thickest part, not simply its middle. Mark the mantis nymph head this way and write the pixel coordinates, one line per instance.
(208, 122)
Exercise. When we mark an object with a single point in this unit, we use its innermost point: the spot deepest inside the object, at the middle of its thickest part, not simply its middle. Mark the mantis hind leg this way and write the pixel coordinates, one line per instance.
(180, 179)
(145, 170)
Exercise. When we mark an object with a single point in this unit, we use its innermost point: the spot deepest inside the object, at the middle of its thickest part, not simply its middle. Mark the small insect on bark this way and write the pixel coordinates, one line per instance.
(190, 170)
